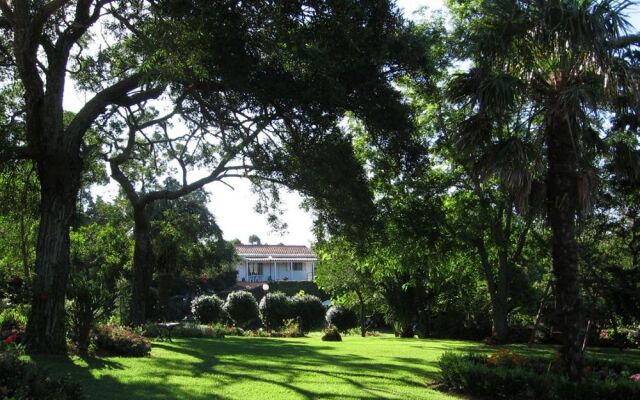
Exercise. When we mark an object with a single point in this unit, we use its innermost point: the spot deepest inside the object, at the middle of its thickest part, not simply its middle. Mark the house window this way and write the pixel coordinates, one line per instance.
(297, 266)
(255, 269)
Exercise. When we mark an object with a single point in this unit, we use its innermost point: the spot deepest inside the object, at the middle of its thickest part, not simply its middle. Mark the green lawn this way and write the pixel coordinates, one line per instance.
(268, 368)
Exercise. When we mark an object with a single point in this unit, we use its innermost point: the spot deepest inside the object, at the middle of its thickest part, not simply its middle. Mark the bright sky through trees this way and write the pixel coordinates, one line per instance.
(234, 207)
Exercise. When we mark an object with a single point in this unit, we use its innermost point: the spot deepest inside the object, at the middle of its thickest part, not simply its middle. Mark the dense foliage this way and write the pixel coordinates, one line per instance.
(275, 310)
(122, 341)
(309, 311)
(24, 380)
(208, 309)
(342, 318)
(511, 376)
(242, 308)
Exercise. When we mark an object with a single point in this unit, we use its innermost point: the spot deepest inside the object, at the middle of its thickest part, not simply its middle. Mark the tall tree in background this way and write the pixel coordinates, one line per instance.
(555, 65)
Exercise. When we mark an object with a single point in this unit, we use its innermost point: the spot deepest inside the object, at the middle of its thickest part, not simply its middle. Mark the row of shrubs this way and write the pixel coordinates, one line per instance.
(274, 311)
(508, 375)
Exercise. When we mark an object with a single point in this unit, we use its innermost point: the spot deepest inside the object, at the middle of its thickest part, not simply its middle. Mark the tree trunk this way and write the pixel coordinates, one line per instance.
(501, 306)
(500, 328)
(497, 293)
(536, 322)
(142, 271)
(60, 182)
(561, 208)
(363, 324)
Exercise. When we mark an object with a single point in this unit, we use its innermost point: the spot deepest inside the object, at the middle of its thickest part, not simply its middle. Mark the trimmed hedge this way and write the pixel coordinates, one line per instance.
(242, 308)
(309, 311)
(207, 309)
(515, 377)
(275, 310)
(291, 288)
(24, 380)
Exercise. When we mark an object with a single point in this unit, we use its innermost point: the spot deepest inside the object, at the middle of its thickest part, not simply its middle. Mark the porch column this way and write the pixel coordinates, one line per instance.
(275, 271)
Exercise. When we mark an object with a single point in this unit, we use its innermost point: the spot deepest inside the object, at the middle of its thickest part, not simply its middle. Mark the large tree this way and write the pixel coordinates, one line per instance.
(40, 41)
(555, 65)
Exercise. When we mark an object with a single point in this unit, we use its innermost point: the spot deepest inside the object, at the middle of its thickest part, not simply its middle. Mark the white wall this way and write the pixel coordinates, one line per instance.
(283, 271)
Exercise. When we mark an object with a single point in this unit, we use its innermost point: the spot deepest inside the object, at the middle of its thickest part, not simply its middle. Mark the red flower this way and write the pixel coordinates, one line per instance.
(635, 377)
(10, 339)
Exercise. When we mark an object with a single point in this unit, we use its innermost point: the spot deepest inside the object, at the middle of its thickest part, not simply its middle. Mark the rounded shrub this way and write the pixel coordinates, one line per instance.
(309, 311)
(275, 309)
(121, 341)
(241, 307)
(342, 318)
(331, 335)
(207, 309)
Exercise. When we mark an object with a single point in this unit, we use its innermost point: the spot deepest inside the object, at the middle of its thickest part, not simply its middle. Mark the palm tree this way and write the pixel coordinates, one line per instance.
(546, 71)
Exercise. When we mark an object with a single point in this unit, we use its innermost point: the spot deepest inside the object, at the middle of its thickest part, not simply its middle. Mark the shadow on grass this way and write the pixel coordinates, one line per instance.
(107, 387)
(201, 369)
(281, 362)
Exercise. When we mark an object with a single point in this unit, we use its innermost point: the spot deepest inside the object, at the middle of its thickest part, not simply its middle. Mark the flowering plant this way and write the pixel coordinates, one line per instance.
(11, 339)
(505, 357)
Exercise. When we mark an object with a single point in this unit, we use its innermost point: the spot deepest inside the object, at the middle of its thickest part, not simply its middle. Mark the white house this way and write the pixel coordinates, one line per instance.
(263, 263)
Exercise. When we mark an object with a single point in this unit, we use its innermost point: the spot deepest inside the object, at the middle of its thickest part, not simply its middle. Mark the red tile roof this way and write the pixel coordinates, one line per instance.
(275, 251)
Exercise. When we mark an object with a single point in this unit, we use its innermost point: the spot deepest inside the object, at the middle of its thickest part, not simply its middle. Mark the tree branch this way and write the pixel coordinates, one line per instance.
(11, 153)
(124, 182)
(97, 105)
(625, 41)
(42, 15)
(216, 174)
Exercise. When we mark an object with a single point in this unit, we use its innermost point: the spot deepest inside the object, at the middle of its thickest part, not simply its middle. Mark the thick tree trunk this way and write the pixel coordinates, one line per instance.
(561, 208)
(500, 327)
(142, 266)
(60, 182)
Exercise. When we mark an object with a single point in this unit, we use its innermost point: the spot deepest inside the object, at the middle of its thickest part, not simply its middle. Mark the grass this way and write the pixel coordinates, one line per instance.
(269, 368)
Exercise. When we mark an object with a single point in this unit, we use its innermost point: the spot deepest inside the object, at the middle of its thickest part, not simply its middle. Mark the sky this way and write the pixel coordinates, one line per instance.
(234, 207)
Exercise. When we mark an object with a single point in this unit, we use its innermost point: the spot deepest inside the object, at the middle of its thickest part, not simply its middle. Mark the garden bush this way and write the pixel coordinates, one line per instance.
(291, 329)
(511, 376)
(21, 380)
(119, 340)
(191, 330)
(622, 337)
(242, 308)
(12, 322)
(309, 311)
(331, 335)
(342, 318)
(207, 309)
(275, 309)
